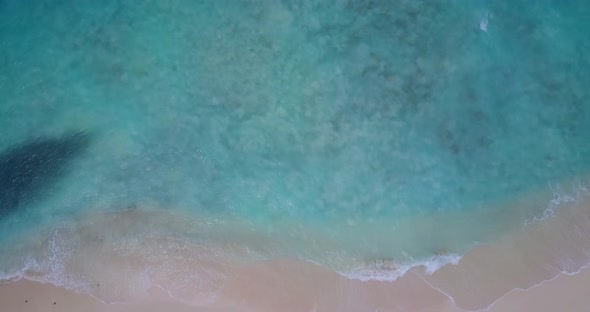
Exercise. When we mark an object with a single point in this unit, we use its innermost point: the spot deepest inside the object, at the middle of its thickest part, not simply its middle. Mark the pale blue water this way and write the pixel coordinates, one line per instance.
(352, 119)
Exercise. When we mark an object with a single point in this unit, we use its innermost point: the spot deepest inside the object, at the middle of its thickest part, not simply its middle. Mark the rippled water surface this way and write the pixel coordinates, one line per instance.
(341, 132)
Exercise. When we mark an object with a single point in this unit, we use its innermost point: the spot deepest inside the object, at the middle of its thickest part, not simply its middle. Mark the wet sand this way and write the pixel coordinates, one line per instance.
(540, 268)
(565, 292)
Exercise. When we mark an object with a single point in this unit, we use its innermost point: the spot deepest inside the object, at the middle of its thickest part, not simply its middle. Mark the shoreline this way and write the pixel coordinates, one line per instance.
(498, 276)
(561, 291)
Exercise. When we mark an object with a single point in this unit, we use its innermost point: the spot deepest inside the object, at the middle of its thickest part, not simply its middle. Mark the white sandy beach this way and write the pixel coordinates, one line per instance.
(517, 273)
(565, 292)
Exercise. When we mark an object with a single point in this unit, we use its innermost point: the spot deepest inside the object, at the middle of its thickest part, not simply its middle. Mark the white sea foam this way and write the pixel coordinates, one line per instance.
(560, 197)
(49, 266)
(389, 270)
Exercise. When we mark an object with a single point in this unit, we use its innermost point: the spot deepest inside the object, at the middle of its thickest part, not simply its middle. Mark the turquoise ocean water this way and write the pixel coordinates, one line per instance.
(347, 133)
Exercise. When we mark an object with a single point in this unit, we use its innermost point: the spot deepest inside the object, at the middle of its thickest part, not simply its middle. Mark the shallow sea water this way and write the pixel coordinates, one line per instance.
(354, 134)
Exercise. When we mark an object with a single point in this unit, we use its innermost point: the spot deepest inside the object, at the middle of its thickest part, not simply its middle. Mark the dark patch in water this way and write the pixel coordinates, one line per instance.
(26, 169)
